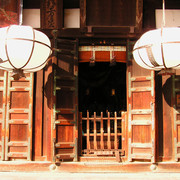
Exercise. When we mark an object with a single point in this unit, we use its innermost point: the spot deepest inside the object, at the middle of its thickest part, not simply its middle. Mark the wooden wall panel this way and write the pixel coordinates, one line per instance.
(141, 100)
(141, 134)
(111, 13)
(101, 16)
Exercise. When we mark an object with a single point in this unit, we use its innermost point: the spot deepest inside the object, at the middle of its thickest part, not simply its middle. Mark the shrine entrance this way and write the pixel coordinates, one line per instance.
(102, 104)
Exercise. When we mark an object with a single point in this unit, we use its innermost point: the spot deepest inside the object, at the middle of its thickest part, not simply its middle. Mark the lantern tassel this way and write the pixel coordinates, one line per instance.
(167, 72)
(17, 74)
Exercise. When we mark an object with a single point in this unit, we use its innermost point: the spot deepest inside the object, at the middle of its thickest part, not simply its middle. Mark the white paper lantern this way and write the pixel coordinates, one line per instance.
(23, 49)
(158, 49)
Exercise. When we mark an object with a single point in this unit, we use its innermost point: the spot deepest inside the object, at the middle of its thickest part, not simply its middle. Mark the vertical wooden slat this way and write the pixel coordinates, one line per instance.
(115, 131)
(95, 132)
(3, 111)
(124, 130)
(31, 84)
(102, 132)
(88, 131)
(109, 132)
(80, 135)
(7, 118)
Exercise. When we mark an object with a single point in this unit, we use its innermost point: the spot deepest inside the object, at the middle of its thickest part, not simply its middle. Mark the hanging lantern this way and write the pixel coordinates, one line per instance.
(158, 49)
(23, 49)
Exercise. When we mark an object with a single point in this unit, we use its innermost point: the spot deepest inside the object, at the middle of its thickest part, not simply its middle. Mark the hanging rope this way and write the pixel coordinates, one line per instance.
(163, 20)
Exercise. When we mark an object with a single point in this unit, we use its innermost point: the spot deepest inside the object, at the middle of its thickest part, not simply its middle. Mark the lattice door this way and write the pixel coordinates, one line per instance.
(103, 135)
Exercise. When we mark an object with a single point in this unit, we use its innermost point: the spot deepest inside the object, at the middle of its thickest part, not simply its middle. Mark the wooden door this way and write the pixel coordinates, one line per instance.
(65, 106)
(18, 143)
(141, 111)
(16, 117)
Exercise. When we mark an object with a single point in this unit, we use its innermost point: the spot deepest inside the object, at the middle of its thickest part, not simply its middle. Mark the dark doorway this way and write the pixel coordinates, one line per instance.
(102, 88)
(102, 98)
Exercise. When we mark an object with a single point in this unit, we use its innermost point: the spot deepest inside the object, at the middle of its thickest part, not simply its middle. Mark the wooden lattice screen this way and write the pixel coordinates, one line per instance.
(103, 135)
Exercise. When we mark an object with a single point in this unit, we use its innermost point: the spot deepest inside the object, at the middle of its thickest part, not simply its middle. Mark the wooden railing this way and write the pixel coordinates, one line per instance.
(103, 135)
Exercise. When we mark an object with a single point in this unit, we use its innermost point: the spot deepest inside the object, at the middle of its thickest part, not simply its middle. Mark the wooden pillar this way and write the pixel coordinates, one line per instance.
(167, 118)
(38, 123)
(47, 120)
(51, 18)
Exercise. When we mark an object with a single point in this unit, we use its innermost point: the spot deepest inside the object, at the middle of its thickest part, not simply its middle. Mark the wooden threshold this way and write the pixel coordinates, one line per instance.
(82, 167)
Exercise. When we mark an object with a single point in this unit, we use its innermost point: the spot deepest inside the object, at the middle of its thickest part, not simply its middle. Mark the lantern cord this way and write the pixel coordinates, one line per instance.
(163, 25)
(163, 20)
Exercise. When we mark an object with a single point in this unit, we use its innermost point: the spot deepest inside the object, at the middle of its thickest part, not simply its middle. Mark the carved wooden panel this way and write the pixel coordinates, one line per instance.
(51, 11)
